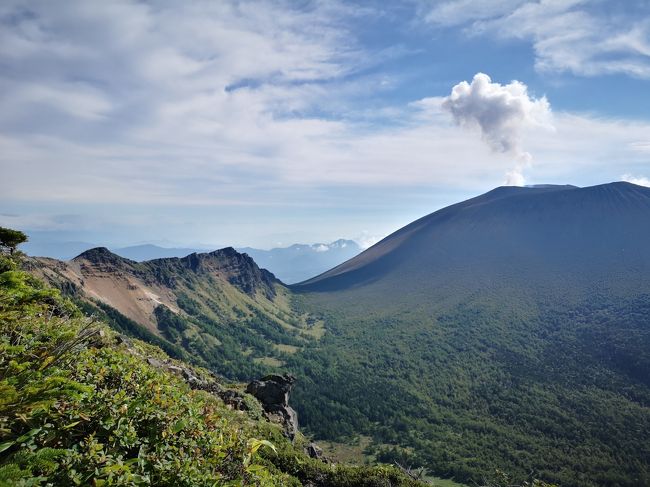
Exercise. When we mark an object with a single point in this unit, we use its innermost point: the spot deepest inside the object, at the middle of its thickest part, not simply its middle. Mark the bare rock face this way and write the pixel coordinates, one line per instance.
(239, 269)
(273, 393)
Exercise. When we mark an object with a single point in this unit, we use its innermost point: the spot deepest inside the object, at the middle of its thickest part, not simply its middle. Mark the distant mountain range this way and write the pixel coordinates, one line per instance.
(300, 262)
(290, 264)
(41, 246)
(141, 253)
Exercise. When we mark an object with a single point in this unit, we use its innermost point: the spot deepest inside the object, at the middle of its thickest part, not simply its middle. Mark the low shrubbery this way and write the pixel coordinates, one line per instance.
(79, 408)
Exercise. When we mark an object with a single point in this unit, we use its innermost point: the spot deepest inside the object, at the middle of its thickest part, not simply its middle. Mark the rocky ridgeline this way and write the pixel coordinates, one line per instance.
(241, 269)
(238, 269)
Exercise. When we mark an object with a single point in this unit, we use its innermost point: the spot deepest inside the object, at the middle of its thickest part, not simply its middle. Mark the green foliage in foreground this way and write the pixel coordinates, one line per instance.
(77, 408)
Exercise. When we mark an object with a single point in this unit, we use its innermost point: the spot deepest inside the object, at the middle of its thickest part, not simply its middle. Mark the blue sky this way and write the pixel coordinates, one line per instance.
(268, 123)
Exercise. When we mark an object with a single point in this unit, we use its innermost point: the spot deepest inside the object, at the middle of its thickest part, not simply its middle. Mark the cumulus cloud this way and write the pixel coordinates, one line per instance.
(501, 112)
(640, 180)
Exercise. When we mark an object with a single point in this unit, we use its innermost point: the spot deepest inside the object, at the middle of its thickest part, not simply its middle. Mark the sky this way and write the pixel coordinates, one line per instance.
(266, 123)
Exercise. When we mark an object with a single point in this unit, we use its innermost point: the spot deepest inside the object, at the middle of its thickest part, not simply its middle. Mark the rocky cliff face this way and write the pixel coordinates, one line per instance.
(239, 269)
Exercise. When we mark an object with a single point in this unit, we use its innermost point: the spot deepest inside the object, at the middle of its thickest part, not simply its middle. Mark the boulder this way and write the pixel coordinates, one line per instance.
(234, 399)
(273, 393)
(314, 451)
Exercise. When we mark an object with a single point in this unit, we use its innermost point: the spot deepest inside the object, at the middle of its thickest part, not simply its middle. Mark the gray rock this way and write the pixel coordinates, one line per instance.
(124, 340)
(154, 362)
(314, 451)
(272, 389)
(234, 399)
(273, 392)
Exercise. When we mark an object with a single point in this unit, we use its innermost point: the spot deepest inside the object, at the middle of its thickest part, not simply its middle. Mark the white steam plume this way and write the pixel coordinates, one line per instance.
(501, 112)
(640, 180)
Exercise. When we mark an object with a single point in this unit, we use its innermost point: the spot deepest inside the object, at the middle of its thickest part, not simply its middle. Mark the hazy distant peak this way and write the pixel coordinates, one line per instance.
(338, 244)
(301, 261)
(144, 252)
(343, 243)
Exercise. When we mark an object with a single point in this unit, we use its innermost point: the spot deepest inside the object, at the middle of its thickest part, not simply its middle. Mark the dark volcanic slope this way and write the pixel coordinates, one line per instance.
(552, 230)
(510, 331)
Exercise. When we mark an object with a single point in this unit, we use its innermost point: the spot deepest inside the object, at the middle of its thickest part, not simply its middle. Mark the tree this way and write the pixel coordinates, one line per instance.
(10, 239)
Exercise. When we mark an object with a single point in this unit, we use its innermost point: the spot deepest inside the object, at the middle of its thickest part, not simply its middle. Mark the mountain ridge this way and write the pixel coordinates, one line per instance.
(219, 306)
(240, 268)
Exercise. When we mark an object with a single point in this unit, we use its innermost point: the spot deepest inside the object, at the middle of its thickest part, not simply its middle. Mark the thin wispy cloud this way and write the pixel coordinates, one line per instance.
(585, 37)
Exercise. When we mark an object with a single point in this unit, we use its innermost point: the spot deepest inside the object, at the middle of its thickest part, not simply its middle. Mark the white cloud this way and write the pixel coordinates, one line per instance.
(640, 180)
(129, 101)
(457, 12)
(585, 37)
(76, 99)
(367, 240)
(502, 113)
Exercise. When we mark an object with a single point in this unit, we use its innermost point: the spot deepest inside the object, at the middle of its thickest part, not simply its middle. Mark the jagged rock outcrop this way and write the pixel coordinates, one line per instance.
(230, 397)
(240, 270)
(273, 392)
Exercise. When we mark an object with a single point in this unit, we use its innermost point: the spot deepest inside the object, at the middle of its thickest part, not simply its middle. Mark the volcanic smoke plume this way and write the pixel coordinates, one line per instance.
(501, 112)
